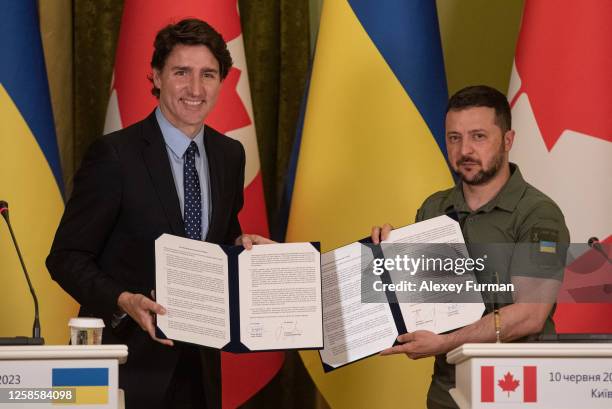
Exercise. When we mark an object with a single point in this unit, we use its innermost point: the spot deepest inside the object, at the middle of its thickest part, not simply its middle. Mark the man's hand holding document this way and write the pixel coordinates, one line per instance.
(420, 277)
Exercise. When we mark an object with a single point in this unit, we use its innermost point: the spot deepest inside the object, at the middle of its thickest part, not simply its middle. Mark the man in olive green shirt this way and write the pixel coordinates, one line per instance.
(494, 204)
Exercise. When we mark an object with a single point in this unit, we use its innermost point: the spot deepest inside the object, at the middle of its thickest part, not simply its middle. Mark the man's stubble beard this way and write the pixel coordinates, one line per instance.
(484, 175)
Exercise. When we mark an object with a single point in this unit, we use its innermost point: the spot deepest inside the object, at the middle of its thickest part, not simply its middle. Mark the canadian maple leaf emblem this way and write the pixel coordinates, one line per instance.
(551, 53)
(508, 383)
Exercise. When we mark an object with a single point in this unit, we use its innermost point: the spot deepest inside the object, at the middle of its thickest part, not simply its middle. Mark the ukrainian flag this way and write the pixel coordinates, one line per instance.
(371, 150)
(89, 385)
(30, 177)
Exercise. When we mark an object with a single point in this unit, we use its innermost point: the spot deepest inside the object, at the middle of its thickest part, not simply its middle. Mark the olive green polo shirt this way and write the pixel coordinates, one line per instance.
(519, 213)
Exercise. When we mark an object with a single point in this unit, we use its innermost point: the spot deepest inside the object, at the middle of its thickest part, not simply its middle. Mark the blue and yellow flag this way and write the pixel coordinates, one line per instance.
(371, 151)
(30, 177)
(89, 385)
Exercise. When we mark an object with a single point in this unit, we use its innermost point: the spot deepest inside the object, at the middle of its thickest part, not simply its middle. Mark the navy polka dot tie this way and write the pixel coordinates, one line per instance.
(192, 213)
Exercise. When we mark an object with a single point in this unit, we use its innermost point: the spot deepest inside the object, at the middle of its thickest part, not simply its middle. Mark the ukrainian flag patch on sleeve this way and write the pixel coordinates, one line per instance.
(548, 247)
(546, 238)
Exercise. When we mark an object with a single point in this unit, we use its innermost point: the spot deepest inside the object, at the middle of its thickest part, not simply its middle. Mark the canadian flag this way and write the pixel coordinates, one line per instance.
(508, 384)
(131, 101)
(561, 108)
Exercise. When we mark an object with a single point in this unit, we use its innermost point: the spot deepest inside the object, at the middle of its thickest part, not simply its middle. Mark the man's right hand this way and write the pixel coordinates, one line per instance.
(141, 309)
(381, 233)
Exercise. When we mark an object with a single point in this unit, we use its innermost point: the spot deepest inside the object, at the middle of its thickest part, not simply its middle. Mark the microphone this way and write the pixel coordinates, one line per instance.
(36, 335)
(594, 243)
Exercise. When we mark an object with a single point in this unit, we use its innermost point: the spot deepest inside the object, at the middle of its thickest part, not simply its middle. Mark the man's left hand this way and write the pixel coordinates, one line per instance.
(248, 240)
(419, 344)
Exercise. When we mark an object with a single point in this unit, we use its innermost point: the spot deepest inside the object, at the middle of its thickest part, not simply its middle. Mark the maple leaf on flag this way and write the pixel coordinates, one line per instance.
(230, 112)
(508, 383)
(565, 72)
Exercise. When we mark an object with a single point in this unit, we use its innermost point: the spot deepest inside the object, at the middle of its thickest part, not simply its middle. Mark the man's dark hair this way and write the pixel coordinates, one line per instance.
(189, 31)
(483, 96)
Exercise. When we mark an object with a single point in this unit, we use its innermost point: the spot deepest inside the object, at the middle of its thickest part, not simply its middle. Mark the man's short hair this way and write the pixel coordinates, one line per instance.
(191, 31)
(483, 96)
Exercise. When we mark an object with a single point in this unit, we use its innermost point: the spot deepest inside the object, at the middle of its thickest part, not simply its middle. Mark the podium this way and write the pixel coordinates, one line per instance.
(538, 375)
(76, 376)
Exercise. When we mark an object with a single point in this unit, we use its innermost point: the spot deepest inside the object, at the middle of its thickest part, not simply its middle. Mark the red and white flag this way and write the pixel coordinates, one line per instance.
(131, 101)
(508, 384)
(561, 99)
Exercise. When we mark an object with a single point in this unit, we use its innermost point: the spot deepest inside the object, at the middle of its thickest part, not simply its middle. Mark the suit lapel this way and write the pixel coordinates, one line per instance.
(156, 159)
(215, 167)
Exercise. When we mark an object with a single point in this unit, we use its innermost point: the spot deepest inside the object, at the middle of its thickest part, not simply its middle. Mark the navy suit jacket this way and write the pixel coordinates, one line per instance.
(124, 198)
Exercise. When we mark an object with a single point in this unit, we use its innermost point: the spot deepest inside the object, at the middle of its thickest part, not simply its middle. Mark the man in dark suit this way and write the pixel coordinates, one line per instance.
(166, 174)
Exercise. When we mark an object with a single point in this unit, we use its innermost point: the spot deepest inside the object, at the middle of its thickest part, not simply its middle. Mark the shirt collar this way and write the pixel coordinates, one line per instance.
(175, 139)
(507, 198)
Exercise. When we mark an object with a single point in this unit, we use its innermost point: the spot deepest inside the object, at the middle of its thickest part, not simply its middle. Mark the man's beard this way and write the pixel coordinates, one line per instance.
(483, 175)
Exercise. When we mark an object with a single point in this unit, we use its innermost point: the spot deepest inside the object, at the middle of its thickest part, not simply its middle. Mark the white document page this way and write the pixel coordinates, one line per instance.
(280, 297)
(353, 330)
(431, 316)
(191, 283)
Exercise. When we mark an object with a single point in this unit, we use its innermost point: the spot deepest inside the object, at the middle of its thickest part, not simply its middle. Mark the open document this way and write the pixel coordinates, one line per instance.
(238, 300)
(353, 329)
(363, 313)
(435, 311)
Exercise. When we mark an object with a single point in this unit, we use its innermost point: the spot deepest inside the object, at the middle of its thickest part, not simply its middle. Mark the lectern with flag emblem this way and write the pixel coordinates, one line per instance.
(537, 376)
(51, 376)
